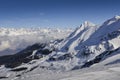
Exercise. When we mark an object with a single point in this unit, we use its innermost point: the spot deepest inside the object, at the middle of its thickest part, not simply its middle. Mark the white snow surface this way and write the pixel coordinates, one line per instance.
(89, 41)
(101, 72)
(83, 45)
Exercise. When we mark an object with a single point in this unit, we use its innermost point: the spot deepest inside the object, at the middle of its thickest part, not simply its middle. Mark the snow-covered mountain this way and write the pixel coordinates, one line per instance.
(90, 41)
(13, 40)
(90, 45)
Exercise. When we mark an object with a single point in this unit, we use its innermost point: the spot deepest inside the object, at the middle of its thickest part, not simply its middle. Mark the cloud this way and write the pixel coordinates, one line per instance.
(4, 45)
(13, 40)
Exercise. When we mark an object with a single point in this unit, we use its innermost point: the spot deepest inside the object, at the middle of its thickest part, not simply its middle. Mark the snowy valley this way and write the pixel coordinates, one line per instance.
(90, 52)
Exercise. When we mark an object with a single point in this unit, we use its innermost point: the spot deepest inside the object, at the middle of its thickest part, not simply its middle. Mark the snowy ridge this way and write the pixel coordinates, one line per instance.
(86, 43)
(92, 46)
(92, 35)
(81, 34)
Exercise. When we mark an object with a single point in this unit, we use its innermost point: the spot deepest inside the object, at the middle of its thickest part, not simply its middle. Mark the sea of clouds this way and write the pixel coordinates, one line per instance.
(13, 40)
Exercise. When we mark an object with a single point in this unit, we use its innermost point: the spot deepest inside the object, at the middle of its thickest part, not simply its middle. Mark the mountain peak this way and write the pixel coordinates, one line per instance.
(87, 24)
(117, 17)
(112, 20)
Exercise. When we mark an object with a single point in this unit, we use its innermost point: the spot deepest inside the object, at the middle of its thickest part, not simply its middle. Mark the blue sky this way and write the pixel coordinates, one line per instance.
(56, 13)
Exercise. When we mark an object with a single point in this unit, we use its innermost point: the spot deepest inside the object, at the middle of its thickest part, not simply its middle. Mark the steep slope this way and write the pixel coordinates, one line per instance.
(87, 45)
(87, 42)
(80, 35)
(88, 34)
